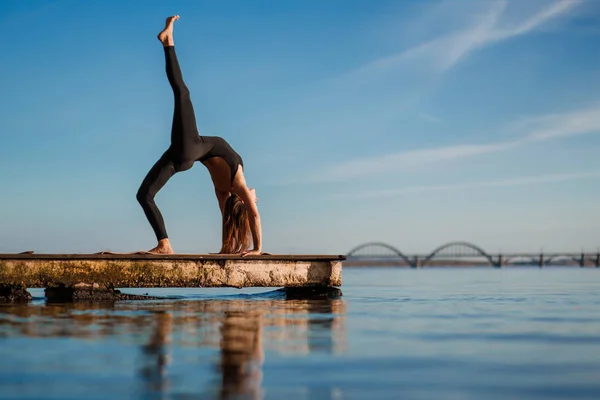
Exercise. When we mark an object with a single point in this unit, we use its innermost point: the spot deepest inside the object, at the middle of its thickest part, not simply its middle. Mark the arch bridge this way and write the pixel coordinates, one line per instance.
(463, 253)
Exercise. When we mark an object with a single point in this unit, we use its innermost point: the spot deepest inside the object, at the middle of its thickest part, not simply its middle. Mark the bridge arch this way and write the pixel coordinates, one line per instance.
(569, 257)
(471, 246)
(384, 245)
(521, 259)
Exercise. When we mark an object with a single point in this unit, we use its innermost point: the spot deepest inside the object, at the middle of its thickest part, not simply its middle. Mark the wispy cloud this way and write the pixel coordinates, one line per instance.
(363, 167)
(541, 128)
(555, 10)
(428, 117)
(520, 181)
(554, 126)
(440, 54)
(444, 52)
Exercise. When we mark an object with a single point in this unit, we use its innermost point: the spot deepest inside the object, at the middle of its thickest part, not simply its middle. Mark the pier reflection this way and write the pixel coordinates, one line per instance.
(239, 335)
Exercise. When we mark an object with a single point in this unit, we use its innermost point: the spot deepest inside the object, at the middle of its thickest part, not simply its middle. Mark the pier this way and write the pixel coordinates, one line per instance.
(109, 271)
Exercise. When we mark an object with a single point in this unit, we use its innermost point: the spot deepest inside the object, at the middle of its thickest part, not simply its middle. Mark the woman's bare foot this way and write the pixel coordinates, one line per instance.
(166, 35)
(164, 247)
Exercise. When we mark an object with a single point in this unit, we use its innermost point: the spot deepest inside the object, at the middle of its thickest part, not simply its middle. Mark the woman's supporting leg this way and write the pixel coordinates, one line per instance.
(156, 178)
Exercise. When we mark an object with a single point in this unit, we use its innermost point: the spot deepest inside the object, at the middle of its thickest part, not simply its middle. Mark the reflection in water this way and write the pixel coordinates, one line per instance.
(241, 354)
(156, 355)
(241, 332)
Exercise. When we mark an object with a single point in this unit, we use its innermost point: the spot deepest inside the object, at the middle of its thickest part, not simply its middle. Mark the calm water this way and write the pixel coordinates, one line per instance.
(456, 333)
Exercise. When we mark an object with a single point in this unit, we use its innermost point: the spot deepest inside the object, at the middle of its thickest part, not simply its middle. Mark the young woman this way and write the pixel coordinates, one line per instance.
(241, 220)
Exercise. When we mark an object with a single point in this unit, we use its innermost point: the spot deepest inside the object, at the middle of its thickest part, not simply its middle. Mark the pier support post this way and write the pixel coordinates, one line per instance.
(416, 262)
(14, 292)
(61, 293)
(312, 293)
(500, 261)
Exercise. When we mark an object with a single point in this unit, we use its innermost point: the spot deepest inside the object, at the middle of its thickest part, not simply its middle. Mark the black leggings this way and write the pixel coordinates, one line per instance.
(180, 156)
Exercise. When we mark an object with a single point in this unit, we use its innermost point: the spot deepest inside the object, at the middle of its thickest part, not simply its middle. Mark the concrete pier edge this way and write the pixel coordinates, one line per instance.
(96, 275)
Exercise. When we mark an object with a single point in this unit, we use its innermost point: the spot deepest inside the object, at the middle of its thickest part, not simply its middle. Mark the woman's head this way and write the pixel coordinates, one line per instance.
(237, 237)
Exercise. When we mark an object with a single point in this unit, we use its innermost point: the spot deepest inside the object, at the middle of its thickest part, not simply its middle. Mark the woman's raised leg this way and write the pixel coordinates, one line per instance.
(184, 130)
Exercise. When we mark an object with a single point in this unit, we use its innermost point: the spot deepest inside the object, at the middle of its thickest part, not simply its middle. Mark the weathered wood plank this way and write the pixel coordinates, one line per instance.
(179, 270)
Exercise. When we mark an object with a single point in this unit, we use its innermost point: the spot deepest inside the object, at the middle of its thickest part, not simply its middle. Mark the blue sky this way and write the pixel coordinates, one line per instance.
(409, 122)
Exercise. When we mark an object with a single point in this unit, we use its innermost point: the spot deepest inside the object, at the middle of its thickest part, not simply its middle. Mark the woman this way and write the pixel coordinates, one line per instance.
(237, 203)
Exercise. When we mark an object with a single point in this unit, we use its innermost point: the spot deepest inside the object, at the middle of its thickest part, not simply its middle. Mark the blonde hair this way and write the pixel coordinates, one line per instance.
(237, 237)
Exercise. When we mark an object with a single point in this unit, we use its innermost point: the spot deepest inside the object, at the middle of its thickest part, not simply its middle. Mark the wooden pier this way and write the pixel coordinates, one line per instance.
(178, 270)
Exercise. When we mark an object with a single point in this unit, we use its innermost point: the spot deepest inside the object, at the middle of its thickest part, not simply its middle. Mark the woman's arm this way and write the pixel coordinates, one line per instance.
(254, 219)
